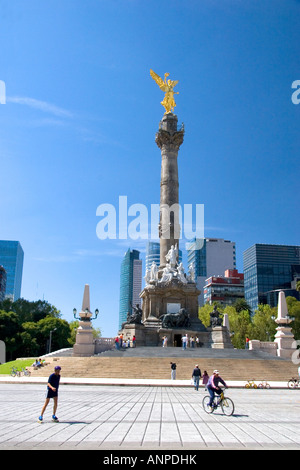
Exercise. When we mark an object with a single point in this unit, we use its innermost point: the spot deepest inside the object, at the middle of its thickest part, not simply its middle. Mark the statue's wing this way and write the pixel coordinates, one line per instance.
(158, 80)
(174, 83)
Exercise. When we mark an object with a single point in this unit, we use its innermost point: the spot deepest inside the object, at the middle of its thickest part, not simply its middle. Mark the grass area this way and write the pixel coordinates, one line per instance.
(18, 364)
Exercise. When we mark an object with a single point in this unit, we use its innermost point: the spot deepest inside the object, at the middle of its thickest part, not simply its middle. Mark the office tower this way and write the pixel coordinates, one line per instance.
(225, 290)
(268, 268)
(130, 283)
(152, 254)
(11, 258)
(211, 257)
(2, 283)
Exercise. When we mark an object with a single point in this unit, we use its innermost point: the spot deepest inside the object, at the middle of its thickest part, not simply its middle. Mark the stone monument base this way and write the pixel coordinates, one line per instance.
(158, 298)
(84, 346)
(151, 333)
(219, 337)
(174, 336)
(286, 344)
(130, 330)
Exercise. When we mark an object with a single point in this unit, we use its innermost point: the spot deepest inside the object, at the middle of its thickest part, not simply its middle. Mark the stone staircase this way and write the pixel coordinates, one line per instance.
(154, 363)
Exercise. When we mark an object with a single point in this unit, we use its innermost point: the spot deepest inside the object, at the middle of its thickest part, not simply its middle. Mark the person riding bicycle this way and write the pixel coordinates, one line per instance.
(213, 386)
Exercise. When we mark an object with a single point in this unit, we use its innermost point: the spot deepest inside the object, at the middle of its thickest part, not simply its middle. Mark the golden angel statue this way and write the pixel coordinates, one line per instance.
(167, 86)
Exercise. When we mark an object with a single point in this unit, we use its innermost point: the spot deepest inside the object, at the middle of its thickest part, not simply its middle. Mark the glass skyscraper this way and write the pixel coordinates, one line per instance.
(130, 283)
(152, 254)
(11, 258)
(2, 283)
(267, 268)
(211, 257)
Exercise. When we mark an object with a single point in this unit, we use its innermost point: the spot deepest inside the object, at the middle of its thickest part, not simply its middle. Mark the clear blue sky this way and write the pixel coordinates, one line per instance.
(81, 114)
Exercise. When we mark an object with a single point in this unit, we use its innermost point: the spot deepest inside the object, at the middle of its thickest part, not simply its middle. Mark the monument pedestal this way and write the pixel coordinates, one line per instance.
(219, 337)
(284, 337)
(174, 336)
(84, 345)
(171, 309)
(160, 298)
(285, 340)
(130, 330)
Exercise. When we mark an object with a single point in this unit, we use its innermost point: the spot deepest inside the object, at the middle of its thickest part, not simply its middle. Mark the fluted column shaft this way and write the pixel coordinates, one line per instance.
(169, 139)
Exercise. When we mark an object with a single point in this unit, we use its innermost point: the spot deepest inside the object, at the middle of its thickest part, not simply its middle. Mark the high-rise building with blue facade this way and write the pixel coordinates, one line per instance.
(3, 277)
(152, 254)
(210, 257)
(11, 258)
(268, 268)
(130, 283)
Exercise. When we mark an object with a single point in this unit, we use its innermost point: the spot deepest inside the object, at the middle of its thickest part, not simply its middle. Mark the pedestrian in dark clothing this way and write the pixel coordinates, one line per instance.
(173, 370)
(196, 376)
(52, 392)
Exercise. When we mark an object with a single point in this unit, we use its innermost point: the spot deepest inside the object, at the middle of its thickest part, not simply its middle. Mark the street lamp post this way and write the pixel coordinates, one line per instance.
(84, 343)
(50, 339)
(86, 315)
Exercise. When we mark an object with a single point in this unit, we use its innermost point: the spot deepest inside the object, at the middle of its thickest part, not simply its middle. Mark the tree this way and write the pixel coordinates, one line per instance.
(293, 306)
(240, 326)
(25, 327)
(263, 326)
(30, 311)
(39, 332)
(204, 314)
(241, 305)
(10, 332)
(73, 329)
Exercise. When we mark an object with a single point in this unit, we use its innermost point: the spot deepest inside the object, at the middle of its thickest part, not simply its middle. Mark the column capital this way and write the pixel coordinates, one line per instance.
(173, 140)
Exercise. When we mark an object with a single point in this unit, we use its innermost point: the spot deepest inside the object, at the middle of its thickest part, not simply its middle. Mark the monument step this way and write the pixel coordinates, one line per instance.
(231, 368)
(159, 351)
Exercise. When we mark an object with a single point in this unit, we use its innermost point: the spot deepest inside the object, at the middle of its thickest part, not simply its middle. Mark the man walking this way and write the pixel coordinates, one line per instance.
(52, 392)
(173, 370)
(196, 376)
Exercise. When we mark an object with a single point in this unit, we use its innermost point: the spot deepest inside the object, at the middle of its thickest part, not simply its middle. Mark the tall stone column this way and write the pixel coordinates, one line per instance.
(169, 140)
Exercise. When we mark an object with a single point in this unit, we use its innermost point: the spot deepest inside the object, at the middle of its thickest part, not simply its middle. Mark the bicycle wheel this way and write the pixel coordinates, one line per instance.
(13, 373)
(227, 406)
(205, 405)
(291, 383)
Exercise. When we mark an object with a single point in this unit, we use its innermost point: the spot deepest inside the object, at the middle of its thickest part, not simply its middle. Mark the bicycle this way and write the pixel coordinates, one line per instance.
(225, 403)
(294, 382)
(264, 384)
(25, 372)
(251, 384)
(15, 372)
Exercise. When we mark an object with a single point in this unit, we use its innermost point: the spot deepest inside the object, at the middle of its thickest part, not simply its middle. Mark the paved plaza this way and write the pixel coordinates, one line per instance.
(147, 417)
